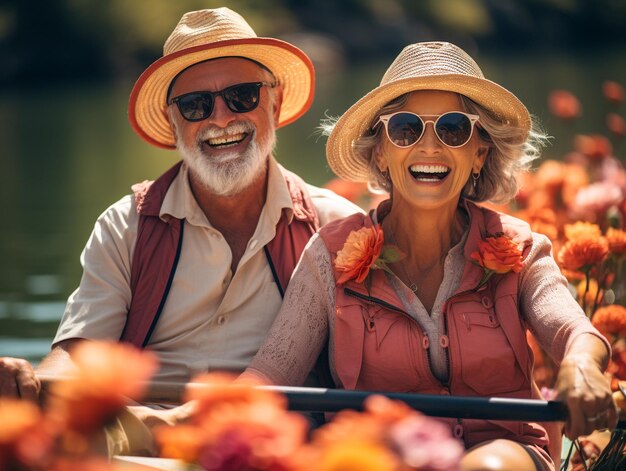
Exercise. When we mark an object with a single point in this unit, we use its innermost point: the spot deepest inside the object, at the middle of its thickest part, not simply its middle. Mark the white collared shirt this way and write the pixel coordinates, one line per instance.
(211, 320)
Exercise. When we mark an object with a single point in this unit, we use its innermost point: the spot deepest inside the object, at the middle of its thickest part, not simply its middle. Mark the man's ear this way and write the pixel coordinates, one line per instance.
(171, 121)
(278, 101)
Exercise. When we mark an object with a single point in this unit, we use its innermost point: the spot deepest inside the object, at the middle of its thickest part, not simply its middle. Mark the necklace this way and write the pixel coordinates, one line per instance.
(412, 285)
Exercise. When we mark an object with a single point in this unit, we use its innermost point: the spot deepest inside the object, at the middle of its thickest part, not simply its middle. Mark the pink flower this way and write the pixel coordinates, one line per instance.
(426, 444)
(596, 199)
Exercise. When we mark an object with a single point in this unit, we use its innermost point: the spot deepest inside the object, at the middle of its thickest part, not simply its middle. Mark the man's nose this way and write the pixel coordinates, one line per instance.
(221, 115)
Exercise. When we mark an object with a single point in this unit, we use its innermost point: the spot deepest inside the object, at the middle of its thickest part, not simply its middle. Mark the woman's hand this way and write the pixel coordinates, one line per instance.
(586, 392)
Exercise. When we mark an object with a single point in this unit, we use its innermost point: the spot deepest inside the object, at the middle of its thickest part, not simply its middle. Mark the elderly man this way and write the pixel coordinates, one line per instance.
(194, 265)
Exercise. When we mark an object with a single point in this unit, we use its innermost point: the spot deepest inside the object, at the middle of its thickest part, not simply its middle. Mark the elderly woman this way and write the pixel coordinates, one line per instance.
(432, 293)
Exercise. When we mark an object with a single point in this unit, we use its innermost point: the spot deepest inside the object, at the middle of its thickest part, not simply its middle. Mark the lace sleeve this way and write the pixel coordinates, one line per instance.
(553, 315)
(301, 326)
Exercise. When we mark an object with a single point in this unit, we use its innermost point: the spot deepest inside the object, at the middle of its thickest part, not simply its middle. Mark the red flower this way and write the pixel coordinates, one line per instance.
(564, 104)
(499, 254)
(613, 91)
(594, 147)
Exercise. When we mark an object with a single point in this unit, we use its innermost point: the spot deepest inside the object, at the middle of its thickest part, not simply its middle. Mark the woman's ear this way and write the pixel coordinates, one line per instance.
(481, 156)
(381, 162)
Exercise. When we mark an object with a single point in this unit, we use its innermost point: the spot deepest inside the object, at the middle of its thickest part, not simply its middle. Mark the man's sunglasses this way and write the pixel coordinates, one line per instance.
(240, 98)
(404, 128)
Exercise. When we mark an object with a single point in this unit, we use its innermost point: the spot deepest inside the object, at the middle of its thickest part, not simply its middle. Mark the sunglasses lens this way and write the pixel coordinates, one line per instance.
(242, 98)
(454, 129)
(195, 106)
(404, 129)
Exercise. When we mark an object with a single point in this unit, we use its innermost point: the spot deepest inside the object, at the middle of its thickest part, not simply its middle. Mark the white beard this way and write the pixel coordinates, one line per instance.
(232, 172)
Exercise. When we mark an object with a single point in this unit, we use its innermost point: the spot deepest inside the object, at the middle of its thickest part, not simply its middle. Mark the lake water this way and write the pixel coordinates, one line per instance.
(69, 152)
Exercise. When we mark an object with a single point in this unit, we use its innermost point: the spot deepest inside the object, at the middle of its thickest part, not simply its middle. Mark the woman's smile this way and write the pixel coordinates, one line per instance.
(429, 172)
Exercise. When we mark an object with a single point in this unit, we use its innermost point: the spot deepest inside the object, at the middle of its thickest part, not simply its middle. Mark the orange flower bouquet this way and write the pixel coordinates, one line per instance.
(237, 427)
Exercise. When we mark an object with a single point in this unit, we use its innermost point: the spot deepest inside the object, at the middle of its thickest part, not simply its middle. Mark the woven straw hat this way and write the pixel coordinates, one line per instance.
(421, 66)
(209, 34)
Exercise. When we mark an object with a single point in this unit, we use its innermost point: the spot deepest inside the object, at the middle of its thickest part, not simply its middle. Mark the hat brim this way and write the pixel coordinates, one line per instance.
(356, 121)
(147, 108)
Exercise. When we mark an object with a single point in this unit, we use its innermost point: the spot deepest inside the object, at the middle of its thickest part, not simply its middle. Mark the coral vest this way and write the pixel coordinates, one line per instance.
(159, 243)
(379, 347)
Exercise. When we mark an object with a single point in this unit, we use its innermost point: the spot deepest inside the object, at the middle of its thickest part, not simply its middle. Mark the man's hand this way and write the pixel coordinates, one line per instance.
(18, 379)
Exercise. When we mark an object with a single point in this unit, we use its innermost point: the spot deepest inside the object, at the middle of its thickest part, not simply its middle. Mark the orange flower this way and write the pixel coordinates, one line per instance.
(616, 124)
(582, 230)
(359, 254)
(541, 220)
(580, 253)
(182, 442)
(564, 104)
(576, 177)
(357, 455)
(235, 426)
(617, 241)
(550, 174)
(613, 91)
(219, 390)
(104, 377)
(611, 321)
(498, 254)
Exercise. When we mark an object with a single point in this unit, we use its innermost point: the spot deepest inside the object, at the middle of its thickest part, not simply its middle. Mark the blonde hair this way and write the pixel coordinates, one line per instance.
(509, 151)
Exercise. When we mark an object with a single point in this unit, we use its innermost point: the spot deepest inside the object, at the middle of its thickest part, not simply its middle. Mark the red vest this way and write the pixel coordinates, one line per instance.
(379, 347)
(158, 246)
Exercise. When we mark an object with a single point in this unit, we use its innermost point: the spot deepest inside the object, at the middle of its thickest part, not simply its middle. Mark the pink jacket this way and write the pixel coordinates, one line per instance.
(379, 347)
(159, 243)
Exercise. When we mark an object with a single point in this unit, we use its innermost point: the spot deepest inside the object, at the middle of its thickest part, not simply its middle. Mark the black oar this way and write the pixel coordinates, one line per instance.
(495, 408)
(334, 400)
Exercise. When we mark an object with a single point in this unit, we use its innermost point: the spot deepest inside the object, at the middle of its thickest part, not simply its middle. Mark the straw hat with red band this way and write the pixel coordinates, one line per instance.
(210, 34)
(421, 66)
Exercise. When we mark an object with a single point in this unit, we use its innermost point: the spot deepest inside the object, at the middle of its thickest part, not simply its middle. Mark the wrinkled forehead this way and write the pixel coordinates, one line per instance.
(234, 66)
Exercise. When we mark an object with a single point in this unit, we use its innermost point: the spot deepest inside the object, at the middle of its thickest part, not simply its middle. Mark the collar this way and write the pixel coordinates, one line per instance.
(180, 203)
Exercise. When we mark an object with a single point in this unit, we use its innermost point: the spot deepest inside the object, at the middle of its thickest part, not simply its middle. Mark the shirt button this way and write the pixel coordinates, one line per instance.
(444, 392)
(221, 320)
(253, 243)
(486, 302)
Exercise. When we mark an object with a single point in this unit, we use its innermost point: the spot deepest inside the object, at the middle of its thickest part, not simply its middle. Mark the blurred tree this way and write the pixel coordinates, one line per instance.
(51, 40)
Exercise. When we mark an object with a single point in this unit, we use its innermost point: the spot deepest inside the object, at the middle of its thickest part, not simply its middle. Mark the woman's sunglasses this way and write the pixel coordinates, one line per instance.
(240, 98)
(453, 128)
